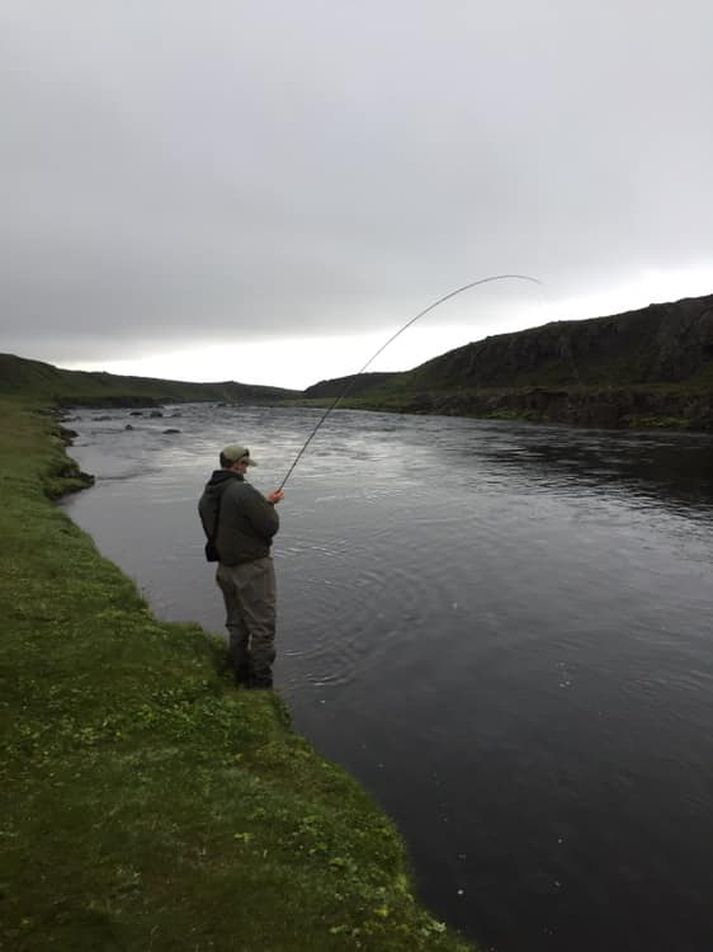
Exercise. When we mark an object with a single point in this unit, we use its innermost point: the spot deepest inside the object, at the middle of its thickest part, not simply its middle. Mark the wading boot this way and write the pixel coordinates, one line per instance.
(243, 675)
(261, 680)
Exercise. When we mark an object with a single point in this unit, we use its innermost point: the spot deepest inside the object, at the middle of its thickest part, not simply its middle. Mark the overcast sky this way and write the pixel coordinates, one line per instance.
(265, 191)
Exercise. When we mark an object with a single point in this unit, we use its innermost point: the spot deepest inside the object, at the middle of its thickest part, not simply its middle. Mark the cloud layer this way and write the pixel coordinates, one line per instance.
(179, 173)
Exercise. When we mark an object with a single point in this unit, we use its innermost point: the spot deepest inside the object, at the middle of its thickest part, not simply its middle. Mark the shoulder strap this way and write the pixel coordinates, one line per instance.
(214, 535)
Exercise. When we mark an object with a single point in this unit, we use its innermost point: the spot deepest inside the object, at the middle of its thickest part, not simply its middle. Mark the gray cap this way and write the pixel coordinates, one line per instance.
(235, 452)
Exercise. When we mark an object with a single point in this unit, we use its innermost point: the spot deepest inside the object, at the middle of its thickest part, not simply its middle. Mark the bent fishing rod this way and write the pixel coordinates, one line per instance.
(409, 323)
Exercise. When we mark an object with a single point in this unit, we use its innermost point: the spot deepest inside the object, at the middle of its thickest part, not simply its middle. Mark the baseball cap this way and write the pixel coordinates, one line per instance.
(235, 452)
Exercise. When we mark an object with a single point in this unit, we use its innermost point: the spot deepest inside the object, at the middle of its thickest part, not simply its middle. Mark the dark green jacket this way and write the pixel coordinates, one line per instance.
(246, 520)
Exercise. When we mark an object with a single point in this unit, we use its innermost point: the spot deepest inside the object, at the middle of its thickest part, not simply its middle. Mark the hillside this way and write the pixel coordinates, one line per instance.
(32, 378)
(650, 367)
(357, 385)
(663, 343)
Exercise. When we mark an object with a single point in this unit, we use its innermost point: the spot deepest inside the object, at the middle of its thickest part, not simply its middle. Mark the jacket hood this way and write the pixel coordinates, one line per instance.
(219, 480)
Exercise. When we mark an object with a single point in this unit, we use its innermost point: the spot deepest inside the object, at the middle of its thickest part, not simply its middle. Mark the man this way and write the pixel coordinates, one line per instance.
(241, 523)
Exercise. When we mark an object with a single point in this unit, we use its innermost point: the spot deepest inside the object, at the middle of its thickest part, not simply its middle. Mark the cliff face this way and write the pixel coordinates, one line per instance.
(663, 343)
(611, 407)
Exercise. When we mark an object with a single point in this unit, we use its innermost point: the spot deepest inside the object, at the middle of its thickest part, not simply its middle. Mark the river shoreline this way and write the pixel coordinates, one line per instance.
(108, 710)
(534, 591)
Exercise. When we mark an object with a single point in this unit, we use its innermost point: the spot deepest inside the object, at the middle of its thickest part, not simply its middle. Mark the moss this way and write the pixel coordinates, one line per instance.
(145, 802)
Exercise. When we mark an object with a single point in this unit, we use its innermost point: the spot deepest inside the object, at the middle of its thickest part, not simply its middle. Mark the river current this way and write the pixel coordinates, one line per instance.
(503, 630)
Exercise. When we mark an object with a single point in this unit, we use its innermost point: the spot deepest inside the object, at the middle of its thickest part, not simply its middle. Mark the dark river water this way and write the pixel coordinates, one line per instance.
(504, 631)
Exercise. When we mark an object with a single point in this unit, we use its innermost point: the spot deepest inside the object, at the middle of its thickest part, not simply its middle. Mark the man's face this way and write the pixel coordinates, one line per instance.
(241, 467)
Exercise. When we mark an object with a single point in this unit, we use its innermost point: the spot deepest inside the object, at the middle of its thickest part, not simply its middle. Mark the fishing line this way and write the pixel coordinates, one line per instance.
(352, 381)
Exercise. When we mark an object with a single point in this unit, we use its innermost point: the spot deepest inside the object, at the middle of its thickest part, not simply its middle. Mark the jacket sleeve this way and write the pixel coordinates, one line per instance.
(261, 514)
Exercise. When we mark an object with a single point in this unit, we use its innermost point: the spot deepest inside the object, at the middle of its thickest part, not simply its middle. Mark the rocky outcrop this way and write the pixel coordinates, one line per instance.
(652, 367)
(663, 343)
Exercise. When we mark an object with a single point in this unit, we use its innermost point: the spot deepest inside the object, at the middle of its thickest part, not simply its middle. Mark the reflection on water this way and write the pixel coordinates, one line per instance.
(668, 468)
(503, 630)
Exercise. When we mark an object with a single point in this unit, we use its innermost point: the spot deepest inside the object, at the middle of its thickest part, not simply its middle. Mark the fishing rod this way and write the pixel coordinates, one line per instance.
(352, 381)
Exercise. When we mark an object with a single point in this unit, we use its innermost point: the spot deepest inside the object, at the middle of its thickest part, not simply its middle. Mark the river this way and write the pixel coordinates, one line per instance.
(503, 630)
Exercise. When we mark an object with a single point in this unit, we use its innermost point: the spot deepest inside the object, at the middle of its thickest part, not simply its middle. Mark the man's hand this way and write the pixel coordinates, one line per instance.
(275, 496)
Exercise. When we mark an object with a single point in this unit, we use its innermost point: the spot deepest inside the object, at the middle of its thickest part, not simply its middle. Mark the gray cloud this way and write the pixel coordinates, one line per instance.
(176, 172)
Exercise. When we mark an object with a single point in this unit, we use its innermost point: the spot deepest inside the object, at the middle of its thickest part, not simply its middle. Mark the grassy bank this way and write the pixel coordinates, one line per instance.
(146, 803)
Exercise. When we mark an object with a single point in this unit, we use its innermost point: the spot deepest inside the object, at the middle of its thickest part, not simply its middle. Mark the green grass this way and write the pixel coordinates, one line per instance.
(146, 803)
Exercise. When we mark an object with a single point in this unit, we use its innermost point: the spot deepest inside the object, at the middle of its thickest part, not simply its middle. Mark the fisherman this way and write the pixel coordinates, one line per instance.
(239, 523)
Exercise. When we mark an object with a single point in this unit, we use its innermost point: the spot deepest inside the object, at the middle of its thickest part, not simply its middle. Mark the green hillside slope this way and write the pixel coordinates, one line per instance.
(34, 379)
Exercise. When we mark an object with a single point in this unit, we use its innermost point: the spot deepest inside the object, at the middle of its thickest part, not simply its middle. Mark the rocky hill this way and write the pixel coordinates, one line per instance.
(650, 367)
(663, 343)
